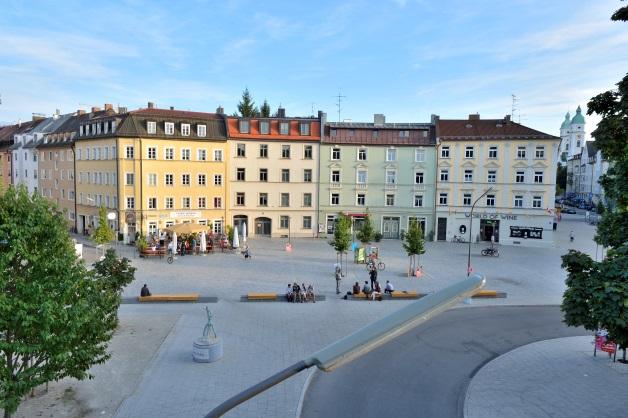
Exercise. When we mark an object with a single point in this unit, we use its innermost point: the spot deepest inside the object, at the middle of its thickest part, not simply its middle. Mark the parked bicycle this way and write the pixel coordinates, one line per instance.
(457, 238)
(170, 258)
(491, 251)
(374, 263)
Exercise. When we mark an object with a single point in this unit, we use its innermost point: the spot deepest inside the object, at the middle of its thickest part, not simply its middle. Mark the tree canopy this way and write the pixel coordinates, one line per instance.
(342, 234)
(265, 110)
(103, 233)
(56, 317)
(246, 106)
(414, 244)
(367, 232)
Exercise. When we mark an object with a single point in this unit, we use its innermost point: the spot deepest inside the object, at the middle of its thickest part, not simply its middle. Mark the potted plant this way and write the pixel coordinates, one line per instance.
(378, 236)
(141, 244)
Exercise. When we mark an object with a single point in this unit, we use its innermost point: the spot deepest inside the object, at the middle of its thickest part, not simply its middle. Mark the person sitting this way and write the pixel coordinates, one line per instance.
(144, 292)
(356, 289)
(289, 293)
(389, 287)
(366, 289)
(303, 292)
(297, 292)
(377, 291)
(310, 293)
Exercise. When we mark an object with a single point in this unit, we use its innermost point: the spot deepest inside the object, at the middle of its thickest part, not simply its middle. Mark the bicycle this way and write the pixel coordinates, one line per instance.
(170, 258)
(490, 251)
(457, 238)
(375, 263)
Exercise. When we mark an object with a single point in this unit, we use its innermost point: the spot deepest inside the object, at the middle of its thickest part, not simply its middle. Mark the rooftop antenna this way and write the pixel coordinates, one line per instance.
(339, 97)
(514, 108)
(310, 113)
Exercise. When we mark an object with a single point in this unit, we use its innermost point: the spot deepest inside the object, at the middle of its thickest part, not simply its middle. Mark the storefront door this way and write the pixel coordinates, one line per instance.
(441, 233)
(489, 228)
(263, 226)
(390, 228)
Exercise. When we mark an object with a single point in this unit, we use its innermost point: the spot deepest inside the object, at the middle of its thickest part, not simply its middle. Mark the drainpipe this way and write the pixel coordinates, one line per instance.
(141, 205)
(75, 190)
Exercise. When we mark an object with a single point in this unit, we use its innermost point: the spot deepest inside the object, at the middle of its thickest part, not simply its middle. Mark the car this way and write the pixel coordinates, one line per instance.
(569, 210)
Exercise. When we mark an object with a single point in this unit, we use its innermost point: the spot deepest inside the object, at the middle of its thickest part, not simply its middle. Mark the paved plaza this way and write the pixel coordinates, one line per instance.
(263, 338)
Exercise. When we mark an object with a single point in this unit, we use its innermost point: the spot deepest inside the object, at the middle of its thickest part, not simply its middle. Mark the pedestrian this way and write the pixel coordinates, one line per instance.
(144, 292)
(571, 236)
(338, 278)
(373, 276)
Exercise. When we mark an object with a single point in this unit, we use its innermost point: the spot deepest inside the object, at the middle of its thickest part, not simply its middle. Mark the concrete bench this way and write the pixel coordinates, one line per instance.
(396, 294)
(272, 297)
(487, 293)
(182, 297)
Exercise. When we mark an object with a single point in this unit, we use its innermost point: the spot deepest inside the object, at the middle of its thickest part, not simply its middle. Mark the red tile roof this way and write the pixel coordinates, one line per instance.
(494, 129)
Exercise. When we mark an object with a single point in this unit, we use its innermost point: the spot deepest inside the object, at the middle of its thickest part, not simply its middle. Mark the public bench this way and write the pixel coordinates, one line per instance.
(271, 297)
(181, 297)
(396, 294)
(149, 252)
(487, 293)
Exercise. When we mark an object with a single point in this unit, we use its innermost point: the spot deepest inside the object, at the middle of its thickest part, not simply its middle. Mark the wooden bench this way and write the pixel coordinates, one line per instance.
(273, 297)
(149, 252)
(490, 294)
(261, 296)
(182, 297)
(405, 294)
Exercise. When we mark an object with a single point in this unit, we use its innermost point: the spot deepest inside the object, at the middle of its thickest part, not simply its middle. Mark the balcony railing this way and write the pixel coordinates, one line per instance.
(335, 185)
(390, 186)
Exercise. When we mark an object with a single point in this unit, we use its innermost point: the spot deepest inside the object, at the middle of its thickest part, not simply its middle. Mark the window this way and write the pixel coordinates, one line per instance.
(307, 152)
(217, 202)
(492, 176)
(240, 199)
(307, 222)
(263, 199)
(202, 203)
(218, 227)
(362, 176)
(201, 130)
(360, 199)
(404, 134)
(518, 201)
(468, 176)
(285, 175)
(307, 200)
(375, 133)
(152, 153)
(304, 128)
(466, 199)
(442, 199)
(284, 222)
(185, 179)
(444, 152)
(201, 154)
(418, 177)
(169, 201)
(362, 154)
(418, 200)
(284, 128)
(419, 155)
(244, 127)
(307, 175)
(185, 129)
(335, 176)
(391, 154)
(444, 175)
(169, 180)
(217, 179)
(186, 202)
(202, 180)
(285, 200)
(490, 200)
(240, 150)
(334, 199)
(169, 153)
(217, 155)
(263, 151)
(264, 127)
(185, 154)
(539, 152)
(335, 154)
(263, 174)
(130, 153)
(130, 203)
(333, 132)
(169, 128)
(240, 174)
(130, 179)
(537, 202)
(152, 203)
(152, 179)
(391, 177)
(285, 151)
(468, 151)
(538, 177)
(520, 177)
(521, 151)
(390, 200)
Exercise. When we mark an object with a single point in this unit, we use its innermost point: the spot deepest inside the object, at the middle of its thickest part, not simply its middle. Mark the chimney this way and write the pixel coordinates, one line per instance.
(220, 110)
(121, 109)
(171, 107)
(379, 119)
(281, 112)
(80, 112)
(151, 105)
(434, 119)
(475, 116)
(507, 118)
(95, 109)
(108, 106)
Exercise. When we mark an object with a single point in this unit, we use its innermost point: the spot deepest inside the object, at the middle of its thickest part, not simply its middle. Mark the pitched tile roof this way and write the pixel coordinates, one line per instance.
(493, 129)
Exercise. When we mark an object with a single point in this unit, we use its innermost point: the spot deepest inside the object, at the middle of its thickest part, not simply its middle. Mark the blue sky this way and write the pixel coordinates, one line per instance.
(406, 59)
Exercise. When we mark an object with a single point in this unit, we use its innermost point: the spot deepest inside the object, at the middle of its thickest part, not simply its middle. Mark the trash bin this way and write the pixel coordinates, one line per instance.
(555, 226)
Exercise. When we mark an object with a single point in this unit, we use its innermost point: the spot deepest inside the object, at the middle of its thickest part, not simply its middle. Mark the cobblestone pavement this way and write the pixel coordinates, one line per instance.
(552, 378)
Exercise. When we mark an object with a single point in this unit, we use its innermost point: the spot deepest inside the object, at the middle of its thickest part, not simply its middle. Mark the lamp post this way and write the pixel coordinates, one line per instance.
(470, 225)
(112, 216)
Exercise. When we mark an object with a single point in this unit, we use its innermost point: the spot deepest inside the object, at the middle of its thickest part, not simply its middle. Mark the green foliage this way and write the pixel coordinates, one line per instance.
(576, 304)
(246, 106)
(265, 110)
(342, 234)
(366, 233)
(600, 208)
(230, 233)
(56, 318)
(378, 236)
(103, 234)
(414, 243)
(141, 243)
(561, 179)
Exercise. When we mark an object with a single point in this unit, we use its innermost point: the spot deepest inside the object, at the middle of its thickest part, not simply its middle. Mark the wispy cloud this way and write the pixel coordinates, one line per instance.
(234, 52)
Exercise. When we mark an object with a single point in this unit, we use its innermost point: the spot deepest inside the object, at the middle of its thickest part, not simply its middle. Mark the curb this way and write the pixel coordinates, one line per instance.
(306, 386)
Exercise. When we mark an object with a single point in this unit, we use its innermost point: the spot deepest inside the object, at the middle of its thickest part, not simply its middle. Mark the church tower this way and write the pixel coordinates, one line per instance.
(563, 153)
(576, 132)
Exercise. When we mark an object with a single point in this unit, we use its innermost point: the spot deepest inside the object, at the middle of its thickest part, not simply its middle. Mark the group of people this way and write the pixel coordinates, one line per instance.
(296, 293)
(374, 290)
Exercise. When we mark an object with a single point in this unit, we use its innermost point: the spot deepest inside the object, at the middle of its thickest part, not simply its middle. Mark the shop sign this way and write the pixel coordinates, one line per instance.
(495, 216)
(526, 232)
(185, 214)
(129, 217)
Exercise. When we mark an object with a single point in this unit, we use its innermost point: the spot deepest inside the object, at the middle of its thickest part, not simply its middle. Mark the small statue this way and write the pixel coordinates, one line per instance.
(209, 327)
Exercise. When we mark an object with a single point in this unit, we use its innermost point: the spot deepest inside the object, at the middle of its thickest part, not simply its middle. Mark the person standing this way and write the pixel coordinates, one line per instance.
(373, 275)
(338, 278)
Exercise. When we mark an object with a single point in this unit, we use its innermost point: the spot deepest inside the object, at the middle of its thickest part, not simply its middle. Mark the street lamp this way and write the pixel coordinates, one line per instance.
(470, 225)
(366, 339)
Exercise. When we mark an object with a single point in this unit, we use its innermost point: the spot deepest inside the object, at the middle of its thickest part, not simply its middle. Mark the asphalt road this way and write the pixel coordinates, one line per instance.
(425, 373)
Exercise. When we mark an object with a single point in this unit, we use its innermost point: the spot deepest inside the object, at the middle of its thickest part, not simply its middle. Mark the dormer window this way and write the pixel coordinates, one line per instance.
(264, 127)
(201, 130)
(169, 128)
(185, 129)
(151, 127)
(81, 130)
(304, 128)
(245, 127)
(404, 134)
(284, 128)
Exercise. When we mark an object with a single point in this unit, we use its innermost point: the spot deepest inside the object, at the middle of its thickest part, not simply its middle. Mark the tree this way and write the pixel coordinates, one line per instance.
(265, 110)
(103, 233)
(414, 244)
(246, 106)
(342, 236)
(367, 232)
(56, 318)
(561, 179)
